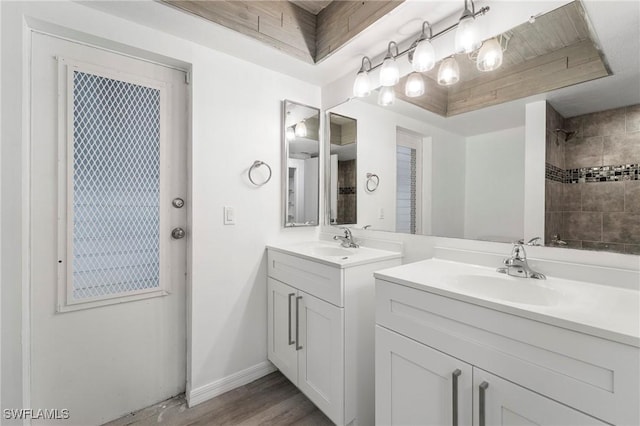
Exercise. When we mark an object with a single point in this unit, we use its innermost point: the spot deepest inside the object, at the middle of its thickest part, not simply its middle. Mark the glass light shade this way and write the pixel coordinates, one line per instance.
(301, 130)
(386, 96)
(290, 134)
(389, 72)
(362, 85)
(414, 86)
(489, 56)
(449, 72)
(424, 56)
(467, 39)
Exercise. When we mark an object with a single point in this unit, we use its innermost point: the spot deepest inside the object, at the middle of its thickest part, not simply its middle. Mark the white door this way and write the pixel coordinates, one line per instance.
(281, 332)
(321, 355)
(418, 385)
(499, 402)
(108, 156)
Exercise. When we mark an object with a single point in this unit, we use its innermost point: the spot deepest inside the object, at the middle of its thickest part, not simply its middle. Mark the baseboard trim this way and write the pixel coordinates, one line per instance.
(213, 389)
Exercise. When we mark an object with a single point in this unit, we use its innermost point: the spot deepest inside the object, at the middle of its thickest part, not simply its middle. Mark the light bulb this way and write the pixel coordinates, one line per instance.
(301, 130)
(362, 85)
(449, 72)
(489, 56)
(414, 86)
(424, 56)
(467, 34)
(389, 72)
(290, 134)
(386, 96)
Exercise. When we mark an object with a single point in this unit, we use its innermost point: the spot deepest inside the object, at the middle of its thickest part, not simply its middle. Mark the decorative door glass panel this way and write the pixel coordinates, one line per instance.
(115, 188)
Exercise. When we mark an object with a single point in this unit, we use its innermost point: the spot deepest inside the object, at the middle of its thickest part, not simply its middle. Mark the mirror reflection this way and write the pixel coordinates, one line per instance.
(343, 206)
(301, 148)
(461, 172)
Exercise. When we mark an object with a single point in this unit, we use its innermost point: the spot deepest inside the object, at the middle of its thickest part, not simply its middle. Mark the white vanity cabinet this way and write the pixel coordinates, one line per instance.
(321, 320)
(306, 343)
(513, 370)
(418, 385)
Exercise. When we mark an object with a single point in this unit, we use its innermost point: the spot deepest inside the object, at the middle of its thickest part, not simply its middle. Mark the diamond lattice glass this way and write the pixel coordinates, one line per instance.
(116, 187)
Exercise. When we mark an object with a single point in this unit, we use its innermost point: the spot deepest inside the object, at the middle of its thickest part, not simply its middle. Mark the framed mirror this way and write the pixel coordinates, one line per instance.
(343, 204)
(461, 174)
(300, 165)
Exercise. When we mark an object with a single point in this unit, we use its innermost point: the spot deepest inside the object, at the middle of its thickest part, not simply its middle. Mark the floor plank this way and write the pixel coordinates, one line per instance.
(271, 400)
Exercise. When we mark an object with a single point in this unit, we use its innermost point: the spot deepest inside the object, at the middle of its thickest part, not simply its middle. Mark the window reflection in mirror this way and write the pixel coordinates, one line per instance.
(301, 148)
(343, 170)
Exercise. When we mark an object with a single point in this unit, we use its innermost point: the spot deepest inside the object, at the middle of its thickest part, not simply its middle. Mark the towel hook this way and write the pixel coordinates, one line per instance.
(255, 165)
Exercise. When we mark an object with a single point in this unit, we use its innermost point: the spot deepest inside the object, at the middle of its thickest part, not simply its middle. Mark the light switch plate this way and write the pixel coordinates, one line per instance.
(229, 215)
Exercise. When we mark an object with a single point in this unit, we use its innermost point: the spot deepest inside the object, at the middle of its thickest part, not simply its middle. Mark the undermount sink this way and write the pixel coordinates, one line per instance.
(509, 289)
(331, 251)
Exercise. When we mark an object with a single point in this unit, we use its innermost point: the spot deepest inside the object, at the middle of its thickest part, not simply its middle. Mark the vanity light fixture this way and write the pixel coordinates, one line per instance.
(301, 130)
(386, 96)
(423, 57)
(449, 72)
(467, 39)
(421, 54)
(490, 54)
(362, 85)
(290, 134)
(414, 86)
(390, 73)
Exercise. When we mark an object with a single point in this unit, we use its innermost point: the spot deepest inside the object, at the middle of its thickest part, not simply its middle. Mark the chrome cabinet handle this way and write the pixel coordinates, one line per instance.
(298, 347)
(291, 342)
(454, 382)
(481, 403)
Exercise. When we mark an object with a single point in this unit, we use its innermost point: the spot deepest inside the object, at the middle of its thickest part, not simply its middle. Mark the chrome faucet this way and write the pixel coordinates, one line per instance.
(516, 265)
(347, 239)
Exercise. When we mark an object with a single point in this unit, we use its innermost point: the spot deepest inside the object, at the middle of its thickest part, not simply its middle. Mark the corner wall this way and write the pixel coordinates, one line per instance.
(228, 297)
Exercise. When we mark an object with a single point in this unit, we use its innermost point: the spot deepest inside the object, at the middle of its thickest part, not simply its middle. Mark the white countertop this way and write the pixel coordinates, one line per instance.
(344, 257)
(608, 312)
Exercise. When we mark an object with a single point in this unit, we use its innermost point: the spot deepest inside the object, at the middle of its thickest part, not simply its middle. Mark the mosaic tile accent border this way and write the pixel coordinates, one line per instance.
(593, 174)
(603, 174)
(347, 190)
(554, 173)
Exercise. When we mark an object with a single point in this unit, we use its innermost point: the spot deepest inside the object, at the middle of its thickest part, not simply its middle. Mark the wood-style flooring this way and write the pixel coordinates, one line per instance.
(271, 400)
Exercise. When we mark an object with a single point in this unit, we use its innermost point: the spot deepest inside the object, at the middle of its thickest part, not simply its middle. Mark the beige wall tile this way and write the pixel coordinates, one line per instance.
(582, 226)
(633, 118)
(603, 197)
(620, 227)
(632, 196)
(585, 152)
(621, 149)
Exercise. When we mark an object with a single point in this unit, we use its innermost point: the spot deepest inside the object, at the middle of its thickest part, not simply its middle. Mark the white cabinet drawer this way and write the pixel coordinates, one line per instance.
(594, 375)
(322, 281)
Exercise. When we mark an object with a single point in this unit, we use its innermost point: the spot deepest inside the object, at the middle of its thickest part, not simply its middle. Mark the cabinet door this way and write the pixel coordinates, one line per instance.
(506, 403)
(418, 385)
(281, 328)
(321, 358)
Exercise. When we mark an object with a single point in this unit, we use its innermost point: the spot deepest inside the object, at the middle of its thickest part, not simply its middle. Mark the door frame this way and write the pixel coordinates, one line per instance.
(29, 27)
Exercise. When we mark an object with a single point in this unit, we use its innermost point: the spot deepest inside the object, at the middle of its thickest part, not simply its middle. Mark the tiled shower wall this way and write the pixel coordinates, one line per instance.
(592, 186)
(347, 213)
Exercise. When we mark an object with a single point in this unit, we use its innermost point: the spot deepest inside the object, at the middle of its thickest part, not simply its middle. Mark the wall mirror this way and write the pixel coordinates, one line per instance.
(343, 182)
(300, 174)
(461, 175)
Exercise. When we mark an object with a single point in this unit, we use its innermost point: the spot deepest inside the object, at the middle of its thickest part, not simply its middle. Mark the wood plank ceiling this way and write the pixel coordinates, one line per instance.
(309, 30)
(553, 52)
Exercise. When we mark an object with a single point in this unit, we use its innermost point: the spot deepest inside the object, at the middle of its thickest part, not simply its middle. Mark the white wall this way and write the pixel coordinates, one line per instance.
(376, 154)
(494, 190)
(228, 267)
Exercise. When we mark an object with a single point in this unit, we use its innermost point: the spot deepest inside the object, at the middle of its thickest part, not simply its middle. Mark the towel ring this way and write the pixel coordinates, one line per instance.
(373, 180)
(255, 165)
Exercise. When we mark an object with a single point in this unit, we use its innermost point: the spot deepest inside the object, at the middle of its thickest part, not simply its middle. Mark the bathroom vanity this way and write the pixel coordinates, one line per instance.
(461, 344)
(321, 321)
